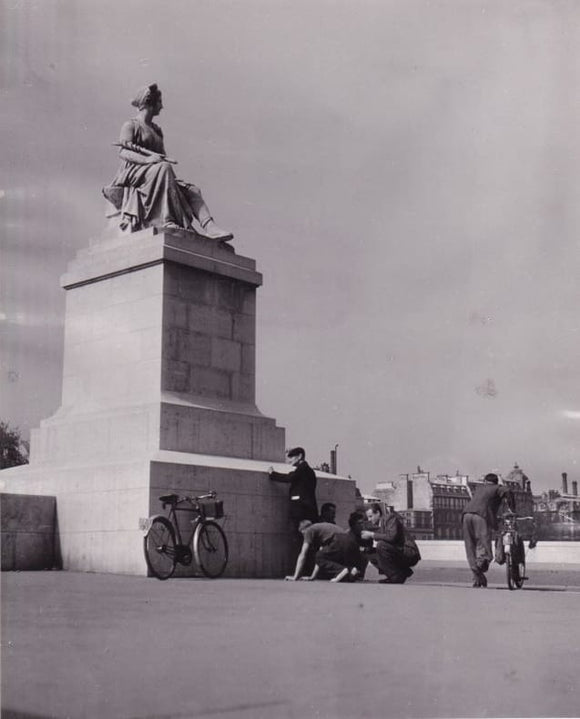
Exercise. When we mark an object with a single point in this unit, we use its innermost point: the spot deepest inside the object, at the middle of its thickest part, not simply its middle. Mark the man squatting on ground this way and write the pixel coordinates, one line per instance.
(302, 491)
(396, 551)
(479, 519)
(337, 553)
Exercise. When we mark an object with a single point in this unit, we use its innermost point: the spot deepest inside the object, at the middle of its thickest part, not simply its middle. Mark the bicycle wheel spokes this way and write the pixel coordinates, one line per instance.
(211, 549)
(159, 546)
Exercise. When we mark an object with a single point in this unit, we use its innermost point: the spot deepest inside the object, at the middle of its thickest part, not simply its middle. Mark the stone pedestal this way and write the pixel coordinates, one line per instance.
(159, 396)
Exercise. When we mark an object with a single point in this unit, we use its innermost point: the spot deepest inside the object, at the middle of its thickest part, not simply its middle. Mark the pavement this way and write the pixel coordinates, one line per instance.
(78, 645)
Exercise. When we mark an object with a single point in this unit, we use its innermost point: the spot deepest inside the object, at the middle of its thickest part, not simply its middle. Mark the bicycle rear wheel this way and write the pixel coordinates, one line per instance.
(159, 547)
(210, 547)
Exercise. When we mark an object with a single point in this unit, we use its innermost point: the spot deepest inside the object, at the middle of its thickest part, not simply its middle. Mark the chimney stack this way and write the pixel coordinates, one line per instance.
(333, 460)
(575, 488)
(410, 493)
(564, 483)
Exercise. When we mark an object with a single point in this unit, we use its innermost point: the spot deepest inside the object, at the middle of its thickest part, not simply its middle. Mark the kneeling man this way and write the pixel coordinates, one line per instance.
(314, 536)
(341, 560)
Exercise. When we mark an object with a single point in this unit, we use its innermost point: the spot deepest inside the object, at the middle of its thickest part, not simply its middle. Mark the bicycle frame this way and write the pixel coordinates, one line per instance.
(509, 533)
(172, 516)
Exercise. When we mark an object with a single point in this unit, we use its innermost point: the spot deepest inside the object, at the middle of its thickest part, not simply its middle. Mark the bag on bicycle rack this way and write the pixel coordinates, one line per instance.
(212, 508)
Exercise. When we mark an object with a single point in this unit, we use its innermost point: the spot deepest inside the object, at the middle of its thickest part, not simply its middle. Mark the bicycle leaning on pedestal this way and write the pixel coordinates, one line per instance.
(163, 543)
(514, 550)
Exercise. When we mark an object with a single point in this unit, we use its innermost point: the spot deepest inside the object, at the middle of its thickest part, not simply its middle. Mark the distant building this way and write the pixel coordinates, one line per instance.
(450, 495)
(557, 513)
(411, 498)
(521, 487)
(432, 507)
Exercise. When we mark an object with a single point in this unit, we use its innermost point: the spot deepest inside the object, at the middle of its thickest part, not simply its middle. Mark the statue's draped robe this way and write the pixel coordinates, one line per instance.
(150, 195)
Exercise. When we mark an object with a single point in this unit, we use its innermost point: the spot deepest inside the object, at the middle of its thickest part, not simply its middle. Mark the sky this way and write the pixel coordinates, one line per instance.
(406, 175)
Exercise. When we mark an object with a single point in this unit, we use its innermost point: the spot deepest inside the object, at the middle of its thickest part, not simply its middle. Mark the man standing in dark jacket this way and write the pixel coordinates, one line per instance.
(479, 520)
(302, 481)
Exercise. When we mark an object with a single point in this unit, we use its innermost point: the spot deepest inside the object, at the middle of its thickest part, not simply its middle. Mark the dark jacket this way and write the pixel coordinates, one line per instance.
(391, 529)
(302, 491)
(344, 549)
(393, 537)
(487, 500)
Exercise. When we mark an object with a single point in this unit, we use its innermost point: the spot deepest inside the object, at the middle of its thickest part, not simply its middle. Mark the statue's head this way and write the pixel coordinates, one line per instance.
(147, 96)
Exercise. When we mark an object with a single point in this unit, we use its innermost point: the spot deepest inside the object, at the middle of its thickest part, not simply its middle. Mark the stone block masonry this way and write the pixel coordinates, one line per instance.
(159, 395)
(29, 532)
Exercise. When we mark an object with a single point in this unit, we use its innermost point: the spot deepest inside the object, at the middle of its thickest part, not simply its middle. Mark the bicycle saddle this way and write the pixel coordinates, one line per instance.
(169, 498)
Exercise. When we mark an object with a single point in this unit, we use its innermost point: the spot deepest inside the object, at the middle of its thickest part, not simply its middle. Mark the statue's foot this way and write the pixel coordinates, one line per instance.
(211, 230)
(172, 226)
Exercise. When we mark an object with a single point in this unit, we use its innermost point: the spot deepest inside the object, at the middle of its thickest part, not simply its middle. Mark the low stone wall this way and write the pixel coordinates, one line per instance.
(29, 532)
(100, 506)
(544, 553)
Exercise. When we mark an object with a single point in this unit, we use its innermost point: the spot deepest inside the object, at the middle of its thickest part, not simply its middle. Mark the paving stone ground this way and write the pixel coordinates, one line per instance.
(117, 647)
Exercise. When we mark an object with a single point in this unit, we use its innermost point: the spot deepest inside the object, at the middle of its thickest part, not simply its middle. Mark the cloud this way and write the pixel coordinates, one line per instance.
(571, 414)
(31, 319)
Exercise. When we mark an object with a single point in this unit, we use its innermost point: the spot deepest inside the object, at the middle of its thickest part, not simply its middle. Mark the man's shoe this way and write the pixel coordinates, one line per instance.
(211, 230)
(480, 581)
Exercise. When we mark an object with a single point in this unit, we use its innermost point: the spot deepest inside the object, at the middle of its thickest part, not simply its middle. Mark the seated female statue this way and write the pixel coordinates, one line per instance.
(145, 190)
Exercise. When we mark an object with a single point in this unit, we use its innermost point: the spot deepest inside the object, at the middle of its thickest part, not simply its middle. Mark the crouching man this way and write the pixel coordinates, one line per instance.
(315, 536)
(396, 549)
(341, 560)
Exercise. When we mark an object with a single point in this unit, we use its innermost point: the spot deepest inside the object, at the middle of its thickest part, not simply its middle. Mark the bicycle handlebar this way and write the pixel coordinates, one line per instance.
(190, 498)
(174, 499)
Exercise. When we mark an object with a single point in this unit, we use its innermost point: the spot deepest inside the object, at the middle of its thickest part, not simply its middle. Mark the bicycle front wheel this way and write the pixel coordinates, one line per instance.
(521, 573)
(210, 547)
(516, 571)
(509, 571)
(159, 546)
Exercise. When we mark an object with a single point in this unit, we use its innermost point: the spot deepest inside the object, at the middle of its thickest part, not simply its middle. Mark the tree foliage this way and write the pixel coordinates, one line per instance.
(13, 449)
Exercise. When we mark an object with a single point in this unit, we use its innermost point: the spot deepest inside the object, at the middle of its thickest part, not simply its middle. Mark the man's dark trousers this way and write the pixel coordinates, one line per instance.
(477, 539)
(391, 561)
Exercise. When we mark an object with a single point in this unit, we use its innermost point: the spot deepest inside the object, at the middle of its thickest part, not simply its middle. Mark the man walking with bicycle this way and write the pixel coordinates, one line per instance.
(479, 520)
